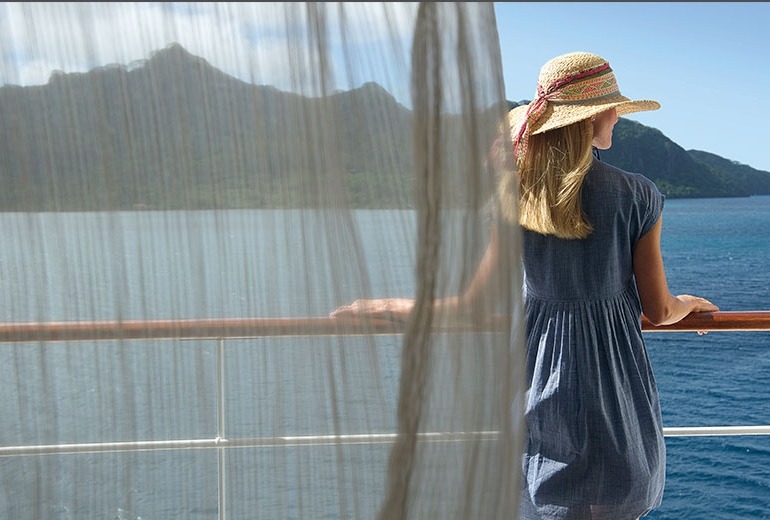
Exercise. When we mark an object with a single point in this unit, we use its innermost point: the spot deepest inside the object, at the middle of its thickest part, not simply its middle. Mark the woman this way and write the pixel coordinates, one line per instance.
(593, 265)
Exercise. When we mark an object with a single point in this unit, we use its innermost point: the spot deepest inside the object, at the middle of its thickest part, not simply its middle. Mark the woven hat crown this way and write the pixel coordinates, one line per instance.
(566, 66)
(571, 87)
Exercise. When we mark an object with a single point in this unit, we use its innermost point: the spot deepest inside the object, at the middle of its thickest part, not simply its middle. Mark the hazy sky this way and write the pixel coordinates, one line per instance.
(708, 64)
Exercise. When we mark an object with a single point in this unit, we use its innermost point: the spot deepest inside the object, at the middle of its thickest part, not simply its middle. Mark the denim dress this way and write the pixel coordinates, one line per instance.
(595, 447)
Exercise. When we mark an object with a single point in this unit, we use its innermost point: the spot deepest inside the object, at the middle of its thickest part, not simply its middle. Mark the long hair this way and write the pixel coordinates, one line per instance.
(548, 180)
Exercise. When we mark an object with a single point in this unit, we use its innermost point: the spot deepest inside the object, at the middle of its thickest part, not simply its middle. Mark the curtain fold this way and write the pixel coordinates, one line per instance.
(166, 163)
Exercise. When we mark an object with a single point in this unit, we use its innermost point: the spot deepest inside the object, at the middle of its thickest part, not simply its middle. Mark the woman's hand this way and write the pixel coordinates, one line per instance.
(393, 309)
(698, 304)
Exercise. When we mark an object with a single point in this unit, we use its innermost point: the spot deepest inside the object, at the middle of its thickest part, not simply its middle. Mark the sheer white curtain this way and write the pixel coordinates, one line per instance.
(169, 168)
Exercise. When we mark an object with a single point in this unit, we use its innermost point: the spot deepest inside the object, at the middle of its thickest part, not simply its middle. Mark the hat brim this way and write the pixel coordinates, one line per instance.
(558, 115)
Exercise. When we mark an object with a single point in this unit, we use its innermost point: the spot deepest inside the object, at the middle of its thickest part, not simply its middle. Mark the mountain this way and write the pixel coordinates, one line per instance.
(675, 171)
(756, 182)
(638, 148)
(169, 132)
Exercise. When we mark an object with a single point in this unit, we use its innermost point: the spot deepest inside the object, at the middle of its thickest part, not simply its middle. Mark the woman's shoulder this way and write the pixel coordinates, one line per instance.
(606, 177)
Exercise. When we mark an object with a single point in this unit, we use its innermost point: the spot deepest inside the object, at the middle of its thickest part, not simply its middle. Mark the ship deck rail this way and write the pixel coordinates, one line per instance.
(222, 329)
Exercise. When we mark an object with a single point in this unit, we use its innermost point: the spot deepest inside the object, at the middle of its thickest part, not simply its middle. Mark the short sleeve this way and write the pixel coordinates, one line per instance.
(653, 200)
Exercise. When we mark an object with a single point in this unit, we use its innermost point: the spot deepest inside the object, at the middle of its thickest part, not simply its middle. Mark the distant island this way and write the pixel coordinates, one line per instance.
(169, 133)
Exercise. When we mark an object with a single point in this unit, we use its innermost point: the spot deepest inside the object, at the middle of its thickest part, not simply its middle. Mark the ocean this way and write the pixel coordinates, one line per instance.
(157, 265)
(718, 249)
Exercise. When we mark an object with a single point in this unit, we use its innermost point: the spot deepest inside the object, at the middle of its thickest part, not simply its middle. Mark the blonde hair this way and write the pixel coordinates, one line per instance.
(548, 180)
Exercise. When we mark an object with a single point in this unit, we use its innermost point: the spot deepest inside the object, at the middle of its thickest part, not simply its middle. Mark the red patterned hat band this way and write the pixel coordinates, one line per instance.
(589, 85)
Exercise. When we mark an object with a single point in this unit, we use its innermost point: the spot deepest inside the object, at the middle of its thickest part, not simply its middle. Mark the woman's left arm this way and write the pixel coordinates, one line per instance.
(398, 309)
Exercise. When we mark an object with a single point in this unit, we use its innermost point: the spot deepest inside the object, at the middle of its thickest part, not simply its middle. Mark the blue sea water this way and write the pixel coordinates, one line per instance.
(718, 249)
(154, 265)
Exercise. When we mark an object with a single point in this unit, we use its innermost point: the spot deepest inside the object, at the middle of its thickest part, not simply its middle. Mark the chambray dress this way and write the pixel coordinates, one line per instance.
(595, 446)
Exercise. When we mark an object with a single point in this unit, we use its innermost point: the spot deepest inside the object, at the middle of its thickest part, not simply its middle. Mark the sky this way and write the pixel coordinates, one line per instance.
(708, 63)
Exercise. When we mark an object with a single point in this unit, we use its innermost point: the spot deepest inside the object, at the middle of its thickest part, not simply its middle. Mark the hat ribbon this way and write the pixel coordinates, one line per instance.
(600, 85)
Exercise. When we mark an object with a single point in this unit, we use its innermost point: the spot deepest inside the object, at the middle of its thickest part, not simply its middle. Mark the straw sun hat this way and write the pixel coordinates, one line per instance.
(571, 88)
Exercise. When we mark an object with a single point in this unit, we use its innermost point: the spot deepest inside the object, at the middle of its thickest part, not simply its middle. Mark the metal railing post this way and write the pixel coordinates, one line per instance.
(221, 470)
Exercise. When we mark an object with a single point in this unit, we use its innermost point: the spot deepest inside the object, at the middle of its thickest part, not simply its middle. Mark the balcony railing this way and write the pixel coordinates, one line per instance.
(232, 328)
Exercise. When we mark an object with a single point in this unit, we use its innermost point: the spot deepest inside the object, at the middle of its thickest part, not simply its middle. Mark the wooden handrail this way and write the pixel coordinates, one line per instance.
(206, 328)
(212, 328)
(722, 321)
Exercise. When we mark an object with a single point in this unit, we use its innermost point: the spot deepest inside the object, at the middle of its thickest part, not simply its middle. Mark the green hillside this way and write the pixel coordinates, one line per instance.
(177, 133)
